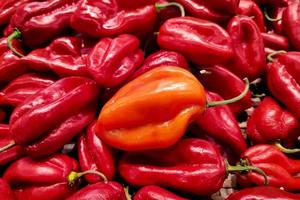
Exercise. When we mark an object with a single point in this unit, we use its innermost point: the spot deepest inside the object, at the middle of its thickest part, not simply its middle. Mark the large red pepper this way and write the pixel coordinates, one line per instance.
(249, 55)
(192, 165)
(200, 41)
(23, 87)
(96, 155)
(274, 42)
(263, 192)
(66, 56)
(153, 192)
(291, 24)
(112, 61)
(110, 18)
(5, 191)
(227, 85)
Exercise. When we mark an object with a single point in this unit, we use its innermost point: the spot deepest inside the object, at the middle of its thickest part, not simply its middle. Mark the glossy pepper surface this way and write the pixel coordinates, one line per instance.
(5, 191)
(95, 155)
(161, 103)
(111, 61)
(200, 41)
(291, 24)
(153, 192)
(275, 42)
(111, 18)
(51, 118)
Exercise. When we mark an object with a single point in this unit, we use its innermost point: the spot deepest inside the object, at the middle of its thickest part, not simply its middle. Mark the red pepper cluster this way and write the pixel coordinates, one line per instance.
(149, 99)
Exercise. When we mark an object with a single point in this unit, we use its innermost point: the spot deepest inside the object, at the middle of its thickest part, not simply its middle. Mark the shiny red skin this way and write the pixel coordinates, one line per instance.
(63, 56)
(249, 53)
(100, 191)
(276, 13)
(5, 191)
(161, 58)
(108, 18)
(96, 155)
(200, 41)
(291, 24)
(270, 122)
(153, 192)
(220, 123)
(213, 10)
(275, 41)
(227, 85)
(263, 192)
(112, 61)
(23, 87)
(251, 9)
(10, 154)
(39, 22)
(182, 167)
(41, 179)
(52, 117)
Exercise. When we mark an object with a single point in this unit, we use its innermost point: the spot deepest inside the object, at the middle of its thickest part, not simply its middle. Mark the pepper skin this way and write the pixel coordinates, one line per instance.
(45, 179)
(227, 85)
(263, 193)
(113, 60)
(249, 55)
(269, 122)
(23, 87)
(153, 192)
(107, 18)
(52, 117)
(63, 56)
(161, 103)
(100, 191)
(275, 41)
(291, 24)
(5, 192)
(39, 22)
(94, 154)
(200, 41)
(276, 13)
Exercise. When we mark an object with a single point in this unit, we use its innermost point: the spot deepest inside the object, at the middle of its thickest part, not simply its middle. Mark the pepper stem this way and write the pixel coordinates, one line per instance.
(162, 6)
(15, 35)
(270, 18)
(234, 99)
(74, 176)
(127, 194)
(270, 56)
(247, 168)
(13, 143)
(204, 72)
(285, 150)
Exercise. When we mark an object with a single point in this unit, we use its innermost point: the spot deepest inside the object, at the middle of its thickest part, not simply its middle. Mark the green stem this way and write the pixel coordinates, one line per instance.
(74, 176)
(285, 150)
(232, 100)
(162, 6)
(270, 56)
(127, 194)
(13, 143)
(270, 18)
(15, 35)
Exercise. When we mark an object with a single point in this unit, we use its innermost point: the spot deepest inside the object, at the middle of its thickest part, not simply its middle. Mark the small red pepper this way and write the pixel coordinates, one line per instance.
(263, 192)
(275, 17)
(23, 87)
(95, 155)
(5, 191)
(249, 55)
(275, 42)
(200, 41)
(112, 61)
(153, 192)
(191, 165)
(291, 24)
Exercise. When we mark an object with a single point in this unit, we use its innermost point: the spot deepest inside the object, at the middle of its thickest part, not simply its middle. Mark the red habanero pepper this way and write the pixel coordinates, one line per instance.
(5, 191)
(152, 192)
(275, 17)
(191, 165)
(200, 41)
(63, 56)
(291, 24)
(275, 41)
(249, 58)
(96, 155)
(11, 154)
(112, 61)
(263, 192)
(227, 85)
(23, 87)
(161, 104)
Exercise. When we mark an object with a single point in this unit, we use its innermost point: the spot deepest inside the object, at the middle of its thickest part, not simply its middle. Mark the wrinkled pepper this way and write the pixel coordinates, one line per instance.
(5, 191)
(291, 24)
(161, 103)
(200, 41)
(52, 117)
(191, 165)
(95, 155)
(153, 192)
(275, 42)
(111, 61)
(23, 87)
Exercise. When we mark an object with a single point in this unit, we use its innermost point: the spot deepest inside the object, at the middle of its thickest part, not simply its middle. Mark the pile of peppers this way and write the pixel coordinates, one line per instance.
(149, 99)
